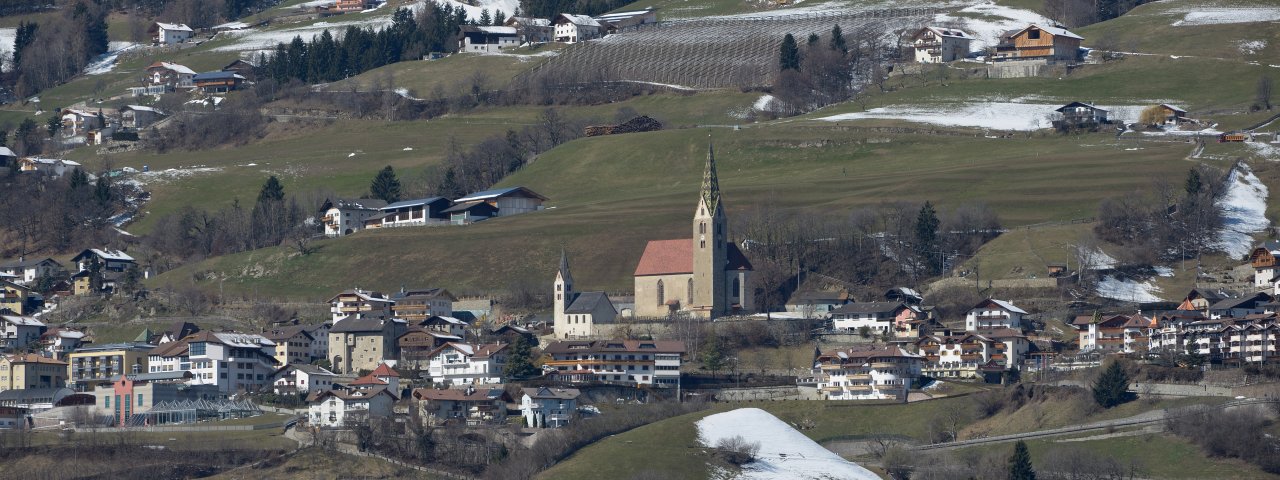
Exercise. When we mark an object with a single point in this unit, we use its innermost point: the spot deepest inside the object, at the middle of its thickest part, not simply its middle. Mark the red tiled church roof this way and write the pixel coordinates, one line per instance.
(668, 257)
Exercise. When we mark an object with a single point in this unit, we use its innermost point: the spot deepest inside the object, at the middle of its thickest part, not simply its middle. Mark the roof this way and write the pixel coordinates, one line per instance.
(1055, 31)
(21, 321)
(818, 295)
(1250, 301)
(6, 152)
(529, 21)
(483, 350)
(616, 16)
(459, 395)
(285, 333)
(442, 320)
(464, 206)
(33, 358)
(547, 392)
(1002, 304)
(350, 394)
(666, 257)
(1175, 109)
(587, 302)
(948, 32)
(30, 395)
(854, 354)
(216, 75)
(352, 325)
(496, 30)
(140, 108)
(174, 26)
(869, 307)
(620, 346)
(231, 339)
(384, 370)
(307, 368)
(582, 20)
(413, 203)
(500, 192)
(182, 69)
(105, 254)
(369, 379)
(1073, 105)
(353, 204)
(998, 333)
(158, 376)
(23, 263)
(116, 346)
(362, 295)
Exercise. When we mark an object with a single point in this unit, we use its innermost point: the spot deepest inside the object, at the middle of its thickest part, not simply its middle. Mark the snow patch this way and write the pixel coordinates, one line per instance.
(1265, 150)
(1244, 209)
(1128, 290)
(1097, 260)
(764, 103)
(1250, 47)
(994, 20)
(1164, 271)
(784, 451)
(508, 7)
(8, 37)
(155, 177)
(408, 149)
(993, 115)
(1204, 15)
(106, 62)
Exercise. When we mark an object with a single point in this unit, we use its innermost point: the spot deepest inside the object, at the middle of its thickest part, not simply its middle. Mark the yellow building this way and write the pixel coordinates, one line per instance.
(13, 297)
(97, 365)
(19, 372)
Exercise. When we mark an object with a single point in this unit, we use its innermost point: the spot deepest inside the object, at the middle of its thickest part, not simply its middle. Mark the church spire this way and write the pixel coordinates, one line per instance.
(710, 183)
(564, 267)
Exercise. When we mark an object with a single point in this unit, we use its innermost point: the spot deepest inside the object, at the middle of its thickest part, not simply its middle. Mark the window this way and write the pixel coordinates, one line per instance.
(1033, 34)
(197, 348)
(737, 287)
(106, 402)
(139, 399)
(702, 227)
(662, 295)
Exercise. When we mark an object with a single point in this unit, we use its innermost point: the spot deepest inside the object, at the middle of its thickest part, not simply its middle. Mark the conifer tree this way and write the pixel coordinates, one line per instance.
(272, 191)
(837, 40)
(1020, 463)
(813, 39)
(485, 19)
(789, 54)
(386, 186)
(520, 360)
(1112, 387)
(927, 235)
(499, 18)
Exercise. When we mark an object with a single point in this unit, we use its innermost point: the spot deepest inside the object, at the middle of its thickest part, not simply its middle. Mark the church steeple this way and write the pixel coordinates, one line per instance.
(710, 193)
(564, 267)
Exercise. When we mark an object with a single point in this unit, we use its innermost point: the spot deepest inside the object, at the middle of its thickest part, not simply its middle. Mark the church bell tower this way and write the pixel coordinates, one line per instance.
(710, 232)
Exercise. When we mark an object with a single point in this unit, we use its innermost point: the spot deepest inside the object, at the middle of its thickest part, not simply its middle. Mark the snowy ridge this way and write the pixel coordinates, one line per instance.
(1244, 212)
(784, 452)
(993, 115)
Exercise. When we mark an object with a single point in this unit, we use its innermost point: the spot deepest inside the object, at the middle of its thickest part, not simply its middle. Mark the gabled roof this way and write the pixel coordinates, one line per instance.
(105, 254)
(305, 367)
(667, 257)
(869, 307)
(500, 192)
(1055, 31)
(866, 354)
(552, 393)
(459, 395)
(353, 204)
(581, 20)
(947, 32)
(1250, 301)
(587, 302)
(442, 320)
(1001, 304)
(216, 75)
(6, 152)
(363, 295)
(21, 321)
(1178, 110)
(481, 351)
(809, 296)
(140, 108)
(176, 68)
(615, 346)
(478, 205)
(178, 27)
(414, 203)
(354, 325)
(34, 262)
(33, 358)
(384, 370)
(284, 334)
(352, 394)
(1073, 105)
(529, 21)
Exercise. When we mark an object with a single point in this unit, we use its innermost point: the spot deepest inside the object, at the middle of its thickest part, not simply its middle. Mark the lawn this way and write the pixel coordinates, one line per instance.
(317, 464)
(1161, 456)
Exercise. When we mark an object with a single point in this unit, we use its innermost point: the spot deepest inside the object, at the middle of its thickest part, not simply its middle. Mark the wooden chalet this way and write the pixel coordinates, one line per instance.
(1038, 42)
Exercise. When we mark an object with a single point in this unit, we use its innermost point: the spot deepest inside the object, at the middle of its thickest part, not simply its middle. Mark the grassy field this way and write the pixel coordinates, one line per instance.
(452, 75)
(1161, 456)
(318, 464)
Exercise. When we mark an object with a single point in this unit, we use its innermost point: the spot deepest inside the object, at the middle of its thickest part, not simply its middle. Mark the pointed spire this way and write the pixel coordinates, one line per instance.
(564, 266)
(710, 183)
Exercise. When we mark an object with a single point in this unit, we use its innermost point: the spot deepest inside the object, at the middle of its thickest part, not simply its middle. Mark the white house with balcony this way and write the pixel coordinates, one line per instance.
(634, 362)
(26, 272)
(962, 356)
(570, 28)
(546, 407)
(940, 44)
(344, 217)
(345, 406)
(170, 33)
(879, 318)
(301, 378)
(991, 314)
(876, 373)
(234, 362)
(464, 363)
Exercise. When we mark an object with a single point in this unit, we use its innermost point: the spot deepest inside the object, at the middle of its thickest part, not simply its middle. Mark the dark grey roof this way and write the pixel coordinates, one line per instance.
(414, 203)
(348, 325)
(586, 302)
(32, 395)
(1251, 301)
(28, 263)
(157, 376)
(215, 75)
(817, 295)
(464, 206)
(868, 307)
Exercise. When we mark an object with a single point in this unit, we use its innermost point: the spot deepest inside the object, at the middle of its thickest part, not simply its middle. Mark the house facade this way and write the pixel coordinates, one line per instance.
(358, 303)
(414, 213)
(31, 371)
(546, 407)
(303, 379)
(507, 201)
(417, 345)
(293, 344)
(16, 300)
(993, 314)
(1038, 42)
(341, 407)
(965, 355)
(705, 276)
(344, 217)
(579, 314)
(487, 39)
(879, 318)
(532, 30)
(18, 332)
(940, 44)
(416, 305)
(217, 81)
(1263, 260)
(877, 373)
(357, 344)
(464, 363)
(472, 404)
(170, 33)
(27, 272)
(570, 28)
(816, 304)
(96, 365)
(631, 362)
(169, 76)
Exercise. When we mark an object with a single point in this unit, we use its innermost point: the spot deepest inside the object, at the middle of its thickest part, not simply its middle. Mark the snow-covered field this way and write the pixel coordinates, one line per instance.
(155, 177)
(1210, 15)
(992, 20)
(106, 62)
(1269, 151)
(1128, 290)
(7, 38)
(990, 114)
(1244, 209)
(784, 452)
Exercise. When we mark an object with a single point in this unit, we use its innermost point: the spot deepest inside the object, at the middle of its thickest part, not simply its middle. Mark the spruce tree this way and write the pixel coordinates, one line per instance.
(813, 39)
(1193, 182)
(79, 178)
(927, 235)
(272, 191)
(386, 186)
(789, 54)
(485, 19)
(520, 360)
(1112, 387)
(1020, 463)
(713, 357)
(499, 18)
(837, 40)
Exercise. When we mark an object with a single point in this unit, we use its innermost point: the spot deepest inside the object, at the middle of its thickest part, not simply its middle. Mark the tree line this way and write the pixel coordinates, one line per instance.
(551, 8)
(1166, 222)
(1079, 13)
(39, 213)
(824, 71)
(48, 52)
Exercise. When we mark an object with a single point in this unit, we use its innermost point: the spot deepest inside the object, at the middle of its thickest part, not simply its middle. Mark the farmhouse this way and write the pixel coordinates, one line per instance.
(1080, 115)
(1263, 260)
(470, 212)
(59, 341)
(358, 303)
(707, 275)
(348, 6)
(412, 213)
(507, 201)
(417, 344)
(217, 82)
(629, 362)
(344, 217)
(876, 373)
(546, 407)
(580, 314)
(242, 67)
(940, 44)
(138, 116)
(1240, 307)
(100, 270)
(1173, 114)
(570, 28)
(532, 30)
(79, 122)
(1036, 42)
(53, 167)
(340, 406)
(170, 33)
(614, 22)
(487, 39)
(298, 378)
(170, 76)
(27, 272)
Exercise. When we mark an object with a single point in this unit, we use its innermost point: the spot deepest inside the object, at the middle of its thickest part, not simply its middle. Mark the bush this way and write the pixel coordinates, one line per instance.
(737, 450)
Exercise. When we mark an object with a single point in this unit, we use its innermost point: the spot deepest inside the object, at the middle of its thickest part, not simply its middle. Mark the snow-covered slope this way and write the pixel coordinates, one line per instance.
(784, 452)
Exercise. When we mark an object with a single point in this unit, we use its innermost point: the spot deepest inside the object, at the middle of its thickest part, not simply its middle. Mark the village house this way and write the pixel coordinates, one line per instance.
(100, 270)
(469, 403)
(1199, 299)
(294, 344)
(244, 68)
(411, 213)
(532, 30)
(1174, 115)
(506, 201)
(170, 76)
(816, 303)
(1255, 342)
(546, 407)
(341, 407)
(1114, 333)
(59, 341)
(615, 22)
(1080, 115)
(1037, 42)
(992, 314)
(170, 33)
(96, 365)
(940, 44)
(31, 371)
(177, 330)
(1263, 259)
(442, 325)
(132, 400)
(18, 332)
(875, 373)
(344, 217)
(358, 303)
(966, 355)
(630, 362)
(17, 299)
(80, 122)
(1241, 307)
(217, 81)
(418, 304)
(570, 28)
(349, 6)
(879, 318)
(357, 344)
(1168, 333)
(464, 363)
(488, 39)
(54, 167)
(300, 378)
(579, 314)
(139, 116)
(417, 344)
(706, 276)
(234, 362)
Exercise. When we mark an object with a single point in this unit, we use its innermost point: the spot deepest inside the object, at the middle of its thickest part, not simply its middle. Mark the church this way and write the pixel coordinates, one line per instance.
(706, 275)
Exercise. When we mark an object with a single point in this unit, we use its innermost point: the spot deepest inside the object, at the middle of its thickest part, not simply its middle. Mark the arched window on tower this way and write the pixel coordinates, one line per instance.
(690, 291)
(662, 294)
(737, 287)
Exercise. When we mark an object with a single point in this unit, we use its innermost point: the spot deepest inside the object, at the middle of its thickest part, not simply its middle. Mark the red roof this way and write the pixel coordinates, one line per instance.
(369, 379)
(667, 257)
(384, 371)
